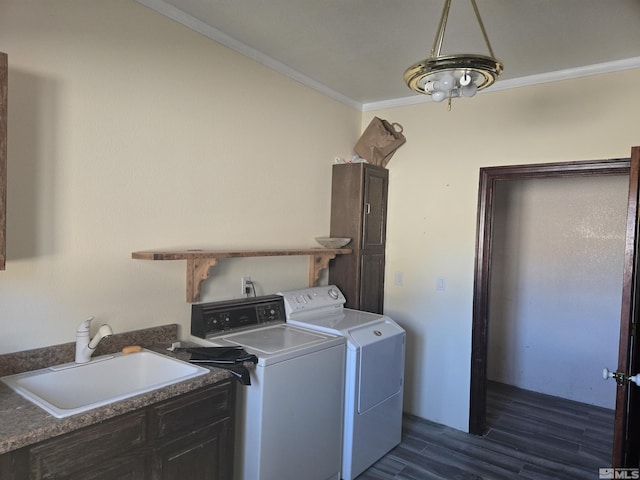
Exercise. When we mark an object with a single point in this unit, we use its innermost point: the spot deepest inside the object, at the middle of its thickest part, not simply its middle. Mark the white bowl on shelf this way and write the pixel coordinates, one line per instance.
(333, 242)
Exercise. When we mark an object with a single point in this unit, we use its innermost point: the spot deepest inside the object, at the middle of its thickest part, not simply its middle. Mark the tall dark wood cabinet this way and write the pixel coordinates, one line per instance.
(359, 211)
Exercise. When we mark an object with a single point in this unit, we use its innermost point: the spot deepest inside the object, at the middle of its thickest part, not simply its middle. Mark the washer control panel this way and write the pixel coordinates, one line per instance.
(314, 300)
(215, 318)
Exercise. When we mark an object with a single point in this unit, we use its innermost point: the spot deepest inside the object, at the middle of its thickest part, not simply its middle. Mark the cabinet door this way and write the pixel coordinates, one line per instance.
(14, 465)
(205, 454)
(375, 208)
(195, 435)
(131, 467)
(72, 455)
(372, 282)
(185, 414)
(347, 193)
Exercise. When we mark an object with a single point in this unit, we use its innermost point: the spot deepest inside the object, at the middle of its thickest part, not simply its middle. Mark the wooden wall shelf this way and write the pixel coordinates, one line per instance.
(200, 262)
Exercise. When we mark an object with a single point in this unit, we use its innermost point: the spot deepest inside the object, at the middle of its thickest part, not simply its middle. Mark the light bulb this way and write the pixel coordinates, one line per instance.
(438, 96)
(447, 82)
(429, 86)
(465, 79)
(470, 90)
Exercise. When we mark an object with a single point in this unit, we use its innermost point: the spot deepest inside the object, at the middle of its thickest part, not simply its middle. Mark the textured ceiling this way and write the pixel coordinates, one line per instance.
(357, 50)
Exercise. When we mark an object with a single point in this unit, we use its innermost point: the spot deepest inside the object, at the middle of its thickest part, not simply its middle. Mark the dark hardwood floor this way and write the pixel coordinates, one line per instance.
(530, 436)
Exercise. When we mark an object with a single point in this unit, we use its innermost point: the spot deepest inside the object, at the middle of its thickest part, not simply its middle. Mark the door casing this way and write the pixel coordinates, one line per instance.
(482, 273)
(626, 429)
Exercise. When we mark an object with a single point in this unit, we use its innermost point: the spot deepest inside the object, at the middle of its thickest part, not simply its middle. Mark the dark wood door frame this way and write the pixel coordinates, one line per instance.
(626, 429)
(484, 239)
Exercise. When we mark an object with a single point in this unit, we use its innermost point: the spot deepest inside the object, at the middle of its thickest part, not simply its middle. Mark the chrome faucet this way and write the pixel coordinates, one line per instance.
(86, 346)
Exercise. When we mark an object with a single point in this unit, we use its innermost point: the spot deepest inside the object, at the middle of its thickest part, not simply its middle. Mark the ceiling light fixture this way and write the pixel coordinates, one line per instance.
(451, 76)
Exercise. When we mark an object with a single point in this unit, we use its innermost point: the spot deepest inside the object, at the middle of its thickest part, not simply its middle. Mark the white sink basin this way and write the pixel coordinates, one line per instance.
(72, 388)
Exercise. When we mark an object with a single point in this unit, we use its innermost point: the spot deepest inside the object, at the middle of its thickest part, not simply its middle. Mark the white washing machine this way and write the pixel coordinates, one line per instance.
(374, 371)
(289, 420)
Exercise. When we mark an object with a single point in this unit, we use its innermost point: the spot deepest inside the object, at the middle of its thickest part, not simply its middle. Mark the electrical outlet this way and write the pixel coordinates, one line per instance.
(246, 286)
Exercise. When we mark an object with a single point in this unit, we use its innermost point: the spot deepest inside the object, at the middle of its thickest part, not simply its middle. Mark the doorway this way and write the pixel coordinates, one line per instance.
(484, 246)
(556, 285)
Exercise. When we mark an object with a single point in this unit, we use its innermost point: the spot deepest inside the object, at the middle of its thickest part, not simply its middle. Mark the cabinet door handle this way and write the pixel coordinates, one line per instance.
(367, 208)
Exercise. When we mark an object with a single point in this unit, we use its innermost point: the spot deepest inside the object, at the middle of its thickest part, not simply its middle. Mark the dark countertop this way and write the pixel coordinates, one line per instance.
(23, 423)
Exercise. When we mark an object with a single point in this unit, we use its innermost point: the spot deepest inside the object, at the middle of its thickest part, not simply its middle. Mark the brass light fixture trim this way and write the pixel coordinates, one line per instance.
(450, 76)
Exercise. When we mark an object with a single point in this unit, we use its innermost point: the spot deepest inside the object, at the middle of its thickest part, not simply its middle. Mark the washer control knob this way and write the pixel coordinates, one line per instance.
(333, 293)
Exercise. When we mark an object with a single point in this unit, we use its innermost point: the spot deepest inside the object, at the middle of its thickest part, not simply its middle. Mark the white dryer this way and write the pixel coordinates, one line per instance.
(289, 420)
(374, 376)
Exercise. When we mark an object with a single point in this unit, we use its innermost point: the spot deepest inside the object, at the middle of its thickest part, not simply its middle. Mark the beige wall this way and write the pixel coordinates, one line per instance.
(128, 131)
(432, 208)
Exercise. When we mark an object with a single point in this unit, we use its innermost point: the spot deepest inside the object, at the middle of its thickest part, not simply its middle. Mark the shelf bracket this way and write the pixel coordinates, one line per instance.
(198, 270)
(317, 263)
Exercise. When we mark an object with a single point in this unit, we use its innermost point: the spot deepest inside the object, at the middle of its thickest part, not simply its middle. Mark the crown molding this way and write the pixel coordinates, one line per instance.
(199, 26)
(570, 73)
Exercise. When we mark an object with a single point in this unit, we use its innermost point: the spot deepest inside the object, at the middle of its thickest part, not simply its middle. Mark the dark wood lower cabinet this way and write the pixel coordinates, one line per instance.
(73, 455)
(197, 430)
(206, 449)
(188, 437)
(128, 467)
